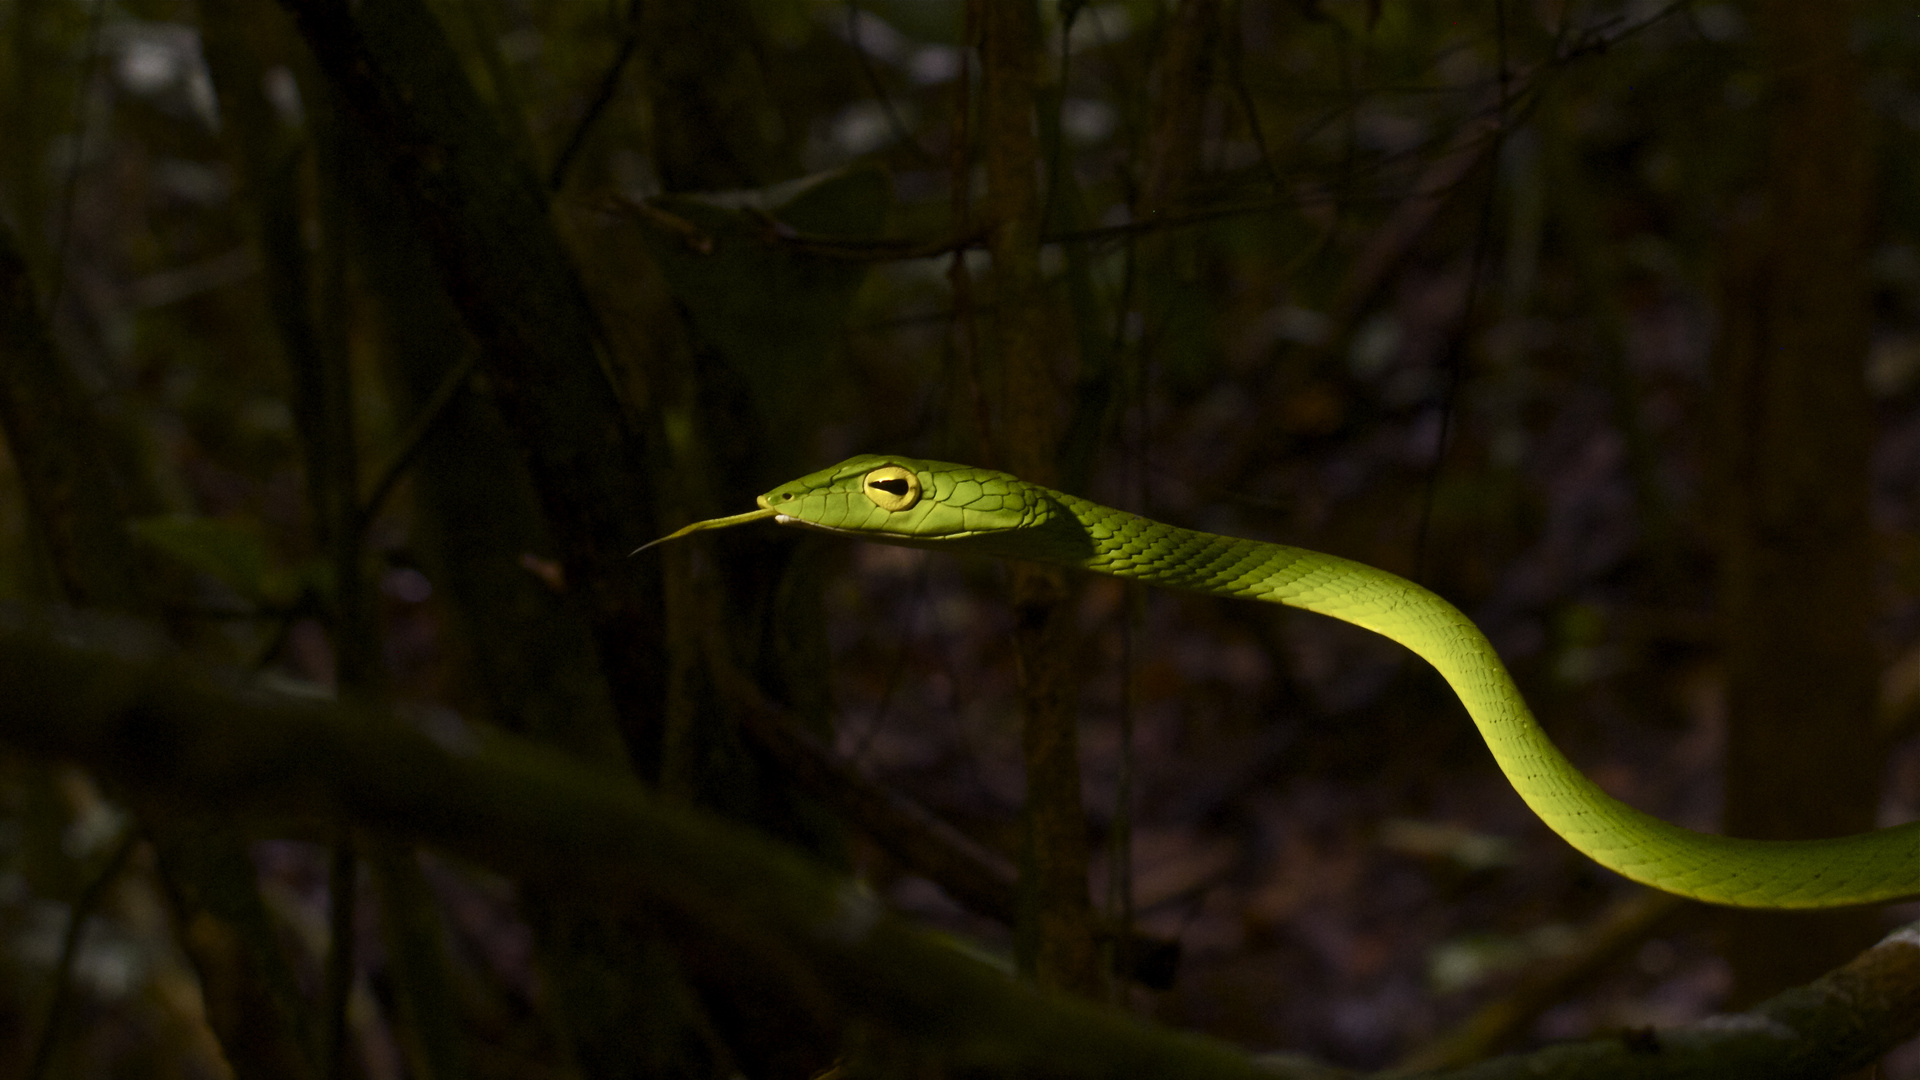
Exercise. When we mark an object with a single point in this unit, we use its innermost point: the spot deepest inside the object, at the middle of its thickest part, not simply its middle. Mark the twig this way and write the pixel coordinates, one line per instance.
(416, 436)
(976, 876)
(83, 908)
(901, 133)
(342, 896)
(304, 605)
(188, 609)
(777, 233)
(1622, 926)
(71, 188)
(1462, 337)
(511, 113)
(963, 338)
(602, 97)
(1236, 56)
(1436, 186)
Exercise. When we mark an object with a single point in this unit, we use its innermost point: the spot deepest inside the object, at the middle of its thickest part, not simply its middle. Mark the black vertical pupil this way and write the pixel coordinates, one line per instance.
(896, 487)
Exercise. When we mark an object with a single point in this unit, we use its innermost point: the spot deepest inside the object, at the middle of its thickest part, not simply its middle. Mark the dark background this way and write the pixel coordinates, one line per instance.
(352, 350)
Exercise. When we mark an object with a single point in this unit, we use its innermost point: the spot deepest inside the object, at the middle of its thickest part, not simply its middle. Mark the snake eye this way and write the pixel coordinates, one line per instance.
(892, 488)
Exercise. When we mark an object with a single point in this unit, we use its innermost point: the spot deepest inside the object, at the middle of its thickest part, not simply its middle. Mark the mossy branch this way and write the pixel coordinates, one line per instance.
(532, 813)
(529, 812)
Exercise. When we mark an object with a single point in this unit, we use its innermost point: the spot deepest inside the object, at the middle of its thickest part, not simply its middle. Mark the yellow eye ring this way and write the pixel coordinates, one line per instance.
(892, 488)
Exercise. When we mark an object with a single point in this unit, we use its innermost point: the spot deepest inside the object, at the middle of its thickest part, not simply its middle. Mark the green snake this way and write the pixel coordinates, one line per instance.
(945, 507)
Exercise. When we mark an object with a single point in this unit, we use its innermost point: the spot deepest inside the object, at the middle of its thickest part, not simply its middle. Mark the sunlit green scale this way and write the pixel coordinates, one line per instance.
(960, 508)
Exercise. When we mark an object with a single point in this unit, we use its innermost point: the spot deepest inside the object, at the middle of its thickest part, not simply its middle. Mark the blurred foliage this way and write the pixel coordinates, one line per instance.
(229, 553)
(1438, 293)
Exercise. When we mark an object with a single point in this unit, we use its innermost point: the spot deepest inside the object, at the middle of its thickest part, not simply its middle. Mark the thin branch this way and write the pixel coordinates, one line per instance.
(980, 878)
(602, 97)
(416, 437)
(507, 103)
(963, 338)
(1236, 66)
(1623, 925)
(343, 903)
(282, 632)
(83, 909)
(1461, 340)
(70, 189)
(901, 133)
(1437, 186)
(1519, 90)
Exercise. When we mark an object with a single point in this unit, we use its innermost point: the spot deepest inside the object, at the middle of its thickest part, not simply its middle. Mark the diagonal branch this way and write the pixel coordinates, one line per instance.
(535, 814)
(532, 813)
(415, 437)
(973, 874)
(485, 217)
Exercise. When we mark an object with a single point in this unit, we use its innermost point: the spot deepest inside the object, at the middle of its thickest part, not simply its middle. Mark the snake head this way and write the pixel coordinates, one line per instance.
(907, 500)
(933, 504)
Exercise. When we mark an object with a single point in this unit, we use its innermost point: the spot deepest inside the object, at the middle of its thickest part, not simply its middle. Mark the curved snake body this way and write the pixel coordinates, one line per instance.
(943, 506)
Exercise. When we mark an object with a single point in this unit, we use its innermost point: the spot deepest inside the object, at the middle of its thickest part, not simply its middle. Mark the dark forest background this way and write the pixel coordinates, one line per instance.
(347, 350)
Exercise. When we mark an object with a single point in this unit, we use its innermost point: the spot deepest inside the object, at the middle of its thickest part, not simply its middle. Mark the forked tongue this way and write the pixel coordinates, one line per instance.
(710, 523)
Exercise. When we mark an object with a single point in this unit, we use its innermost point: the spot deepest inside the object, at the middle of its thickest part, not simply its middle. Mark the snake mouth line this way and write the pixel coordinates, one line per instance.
(788, 519)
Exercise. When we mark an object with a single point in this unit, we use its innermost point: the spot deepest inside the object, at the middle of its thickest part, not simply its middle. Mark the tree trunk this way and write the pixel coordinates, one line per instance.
(1057, 931)
(1796, 429)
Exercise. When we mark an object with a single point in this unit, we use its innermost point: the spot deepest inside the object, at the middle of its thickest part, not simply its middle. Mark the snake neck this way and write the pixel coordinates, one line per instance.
(1129, 546)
